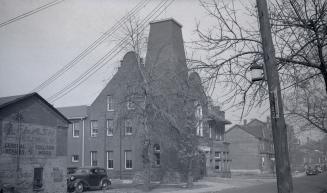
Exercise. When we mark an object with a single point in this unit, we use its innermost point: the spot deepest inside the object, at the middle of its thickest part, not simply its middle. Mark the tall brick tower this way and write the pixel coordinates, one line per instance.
(167, 76)
(165, 59)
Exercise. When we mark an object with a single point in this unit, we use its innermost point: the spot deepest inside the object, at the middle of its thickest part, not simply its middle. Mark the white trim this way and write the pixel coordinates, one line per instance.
(210, 131)
(128, 121)
(126, 160)
(130, 105)
(108, 160)
(111, 103)
(93, 134)
(219, 153)
(83, 142)
(92, 157)
(73, 129)
(107, 128)
(73, 160)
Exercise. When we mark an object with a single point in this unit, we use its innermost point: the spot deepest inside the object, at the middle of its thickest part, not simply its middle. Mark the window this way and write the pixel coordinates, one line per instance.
(128, 127)
(110, 160)
(130, 104)
(128, 159)
(217, 154)
(75, 158)
(210, 131)
(219, 134)
(199, 128)
(156, 149)
(198, 111)
(110, 103)
(217, 165)
(94, 161)
(38, 178)
(94, 128)
(199, 118)
(75, 126)
(110, 127)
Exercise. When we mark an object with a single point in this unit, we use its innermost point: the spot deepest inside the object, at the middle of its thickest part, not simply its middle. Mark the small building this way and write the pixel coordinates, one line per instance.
(251, 147)
(112, 132)
(33, 144)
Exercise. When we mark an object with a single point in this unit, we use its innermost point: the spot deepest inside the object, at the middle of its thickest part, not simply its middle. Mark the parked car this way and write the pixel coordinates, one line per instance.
(88, 178)
(318, 168)
(71, 170)
(311, 171)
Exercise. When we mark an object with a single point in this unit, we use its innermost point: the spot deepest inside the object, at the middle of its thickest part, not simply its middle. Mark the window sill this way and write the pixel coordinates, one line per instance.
(75, 136)
(109, 135)
(128, 168)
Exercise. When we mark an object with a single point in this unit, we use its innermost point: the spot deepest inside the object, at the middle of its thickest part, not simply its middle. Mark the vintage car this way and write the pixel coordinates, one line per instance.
(71, 170)
(311, 171)
(88, 178)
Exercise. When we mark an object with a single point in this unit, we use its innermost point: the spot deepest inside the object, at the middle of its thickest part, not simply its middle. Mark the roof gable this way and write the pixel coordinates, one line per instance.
(7, 101)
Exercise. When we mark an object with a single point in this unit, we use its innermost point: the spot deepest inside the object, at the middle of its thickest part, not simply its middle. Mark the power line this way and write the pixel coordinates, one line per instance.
(105, 59)
(19, 17)
(120, 46)
(91, 47)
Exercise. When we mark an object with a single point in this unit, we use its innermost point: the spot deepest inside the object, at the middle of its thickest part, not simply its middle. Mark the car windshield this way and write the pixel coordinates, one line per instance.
(82, 171)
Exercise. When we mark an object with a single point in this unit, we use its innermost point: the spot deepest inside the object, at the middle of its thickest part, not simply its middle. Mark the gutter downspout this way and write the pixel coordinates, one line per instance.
(83, 143)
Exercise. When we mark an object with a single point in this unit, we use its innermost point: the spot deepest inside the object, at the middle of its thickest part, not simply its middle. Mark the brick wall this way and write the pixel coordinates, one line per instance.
(243, 150)
(41, 131)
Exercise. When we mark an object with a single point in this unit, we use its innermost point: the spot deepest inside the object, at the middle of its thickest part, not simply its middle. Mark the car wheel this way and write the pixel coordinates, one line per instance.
(105, 185)
(79, 187)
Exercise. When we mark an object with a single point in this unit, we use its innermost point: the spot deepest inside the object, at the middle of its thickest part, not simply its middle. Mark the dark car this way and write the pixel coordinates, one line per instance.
(71, 170)
(311, 171)
(88, 178)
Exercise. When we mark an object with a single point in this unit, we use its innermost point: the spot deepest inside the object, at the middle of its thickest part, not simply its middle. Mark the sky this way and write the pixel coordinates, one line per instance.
(35, 47)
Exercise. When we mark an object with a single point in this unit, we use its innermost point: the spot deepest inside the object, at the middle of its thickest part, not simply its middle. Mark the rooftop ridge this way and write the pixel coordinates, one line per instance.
(167, 19)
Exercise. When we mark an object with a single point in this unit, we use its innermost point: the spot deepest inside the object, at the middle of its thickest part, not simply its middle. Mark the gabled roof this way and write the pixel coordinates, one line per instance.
(254, 129)
(73, 112)
(7, 101)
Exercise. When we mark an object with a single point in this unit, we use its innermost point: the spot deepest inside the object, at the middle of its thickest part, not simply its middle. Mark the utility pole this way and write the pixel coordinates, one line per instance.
(283, 170)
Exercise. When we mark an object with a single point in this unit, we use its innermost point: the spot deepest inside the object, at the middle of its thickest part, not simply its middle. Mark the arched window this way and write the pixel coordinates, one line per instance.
(156, 153)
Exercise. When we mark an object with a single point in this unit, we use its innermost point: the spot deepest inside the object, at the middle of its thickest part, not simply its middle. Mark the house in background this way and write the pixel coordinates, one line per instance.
(251, 147)
(110, 133)
(33, 143)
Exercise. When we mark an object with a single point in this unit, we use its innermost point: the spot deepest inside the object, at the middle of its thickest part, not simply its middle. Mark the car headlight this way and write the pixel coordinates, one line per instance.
(72, 178)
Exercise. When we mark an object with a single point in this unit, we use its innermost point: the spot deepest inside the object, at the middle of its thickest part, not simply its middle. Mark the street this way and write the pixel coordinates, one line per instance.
(304, 184)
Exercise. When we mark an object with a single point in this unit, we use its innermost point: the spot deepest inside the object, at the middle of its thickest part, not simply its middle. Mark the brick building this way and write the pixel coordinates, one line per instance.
(112, 131)
(251, 147)
(33, 143)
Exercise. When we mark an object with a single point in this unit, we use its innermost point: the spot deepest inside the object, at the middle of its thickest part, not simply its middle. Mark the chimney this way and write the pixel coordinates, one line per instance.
(165, 58)
(244, 122)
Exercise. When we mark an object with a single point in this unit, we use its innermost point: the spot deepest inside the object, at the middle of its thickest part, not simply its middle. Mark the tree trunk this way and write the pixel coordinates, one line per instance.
(189, 174)
(147, 169)
(324, 74)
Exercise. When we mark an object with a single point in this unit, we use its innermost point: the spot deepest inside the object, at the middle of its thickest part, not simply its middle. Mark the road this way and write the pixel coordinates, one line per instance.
(305, 184)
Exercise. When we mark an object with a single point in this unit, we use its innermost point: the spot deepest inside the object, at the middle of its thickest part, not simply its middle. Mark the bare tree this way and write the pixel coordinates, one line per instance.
(307, 106)
(233, 45)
